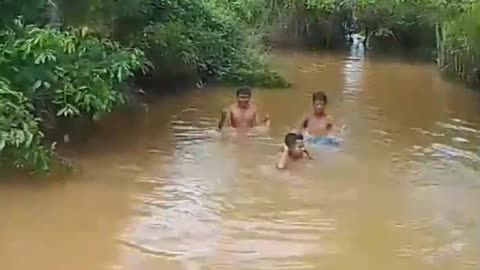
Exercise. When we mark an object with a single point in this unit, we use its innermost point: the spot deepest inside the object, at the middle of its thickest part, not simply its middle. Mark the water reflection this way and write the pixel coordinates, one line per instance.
(179, 217)
(352, 71)
(384, 200)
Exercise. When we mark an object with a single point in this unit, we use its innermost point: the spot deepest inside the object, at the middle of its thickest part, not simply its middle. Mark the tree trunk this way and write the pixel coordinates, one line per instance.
(53, 12)
(365, 40)
(440, 42)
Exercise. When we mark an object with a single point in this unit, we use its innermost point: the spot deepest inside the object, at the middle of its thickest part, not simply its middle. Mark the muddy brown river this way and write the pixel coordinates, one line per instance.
(160, 190)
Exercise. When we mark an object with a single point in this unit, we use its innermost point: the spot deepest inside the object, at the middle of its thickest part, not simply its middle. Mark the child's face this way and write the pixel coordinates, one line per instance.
(243, 100)
(319, 106)
(298, 148)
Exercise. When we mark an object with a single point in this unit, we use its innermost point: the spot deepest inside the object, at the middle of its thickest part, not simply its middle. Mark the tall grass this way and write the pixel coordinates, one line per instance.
(458, 42)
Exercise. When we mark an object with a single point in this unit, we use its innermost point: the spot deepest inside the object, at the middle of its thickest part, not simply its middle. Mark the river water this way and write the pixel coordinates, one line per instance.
(160, 190)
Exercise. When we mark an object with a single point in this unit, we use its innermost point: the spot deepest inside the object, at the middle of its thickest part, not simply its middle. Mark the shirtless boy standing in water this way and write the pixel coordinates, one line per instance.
(317, 123)
(242, 114)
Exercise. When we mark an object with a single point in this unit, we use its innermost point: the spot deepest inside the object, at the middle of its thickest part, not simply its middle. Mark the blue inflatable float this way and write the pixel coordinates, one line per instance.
(322, 140)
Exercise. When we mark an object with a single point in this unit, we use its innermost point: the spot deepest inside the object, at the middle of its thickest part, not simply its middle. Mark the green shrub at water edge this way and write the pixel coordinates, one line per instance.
(20, 136)
(199, 37)
(47, 74)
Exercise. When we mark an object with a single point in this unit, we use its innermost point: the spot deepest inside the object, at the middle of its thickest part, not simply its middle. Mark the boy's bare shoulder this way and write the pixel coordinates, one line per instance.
(253, 106)
(306, 117)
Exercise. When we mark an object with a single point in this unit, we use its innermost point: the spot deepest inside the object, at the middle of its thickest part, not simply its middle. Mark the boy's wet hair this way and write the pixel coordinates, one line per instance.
(292, 138)
(319, 96)
(244, 90)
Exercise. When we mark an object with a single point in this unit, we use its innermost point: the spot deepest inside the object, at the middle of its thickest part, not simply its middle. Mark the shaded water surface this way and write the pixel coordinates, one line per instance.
(160, 190)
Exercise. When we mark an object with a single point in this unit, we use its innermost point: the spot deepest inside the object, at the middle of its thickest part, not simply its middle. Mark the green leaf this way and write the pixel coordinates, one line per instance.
(2, 144)
(20, 137)
(36, 85)
(78, 97)
(119, 75)
(62, 112)
(29, 139)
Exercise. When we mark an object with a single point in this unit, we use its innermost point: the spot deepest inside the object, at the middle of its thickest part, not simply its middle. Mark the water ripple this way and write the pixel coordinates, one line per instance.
(458, 127)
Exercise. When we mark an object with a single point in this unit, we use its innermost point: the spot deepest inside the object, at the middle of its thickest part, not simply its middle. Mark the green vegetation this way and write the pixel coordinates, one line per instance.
(47, 73)
(182, 38)
(199, 37)
(64, 60)
(458, 42)
(448, 29)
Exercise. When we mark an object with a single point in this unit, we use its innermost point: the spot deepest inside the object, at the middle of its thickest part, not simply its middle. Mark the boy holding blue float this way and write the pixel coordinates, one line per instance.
(317, 126)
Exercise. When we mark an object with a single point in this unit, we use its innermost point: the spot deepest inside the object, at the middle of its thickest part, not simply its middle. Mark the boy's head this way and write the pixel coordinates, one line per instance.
(294, 142)
(244, 95)
(319, 101)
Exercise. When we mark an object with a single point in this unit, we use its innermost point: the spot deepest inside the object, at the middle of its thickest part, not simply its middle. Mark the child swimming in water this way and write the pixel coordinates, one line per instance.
(293, 150)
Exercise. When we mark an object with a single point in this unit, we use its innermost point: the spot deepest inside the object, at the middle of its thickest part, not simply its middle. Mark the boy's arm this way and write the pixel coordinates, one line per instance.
(332, 128)
(283, 162)
(256, 119)
(223, 118)
(265, 122)
(329, 123)
(303, 123)
(308, 154)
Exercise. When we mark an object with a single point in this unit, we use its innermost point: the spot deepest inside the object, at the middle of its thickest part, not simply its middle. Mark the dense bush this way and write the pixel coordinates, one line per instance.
(199, 37)
(458, 43)
(20, 136)
(46, 74)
